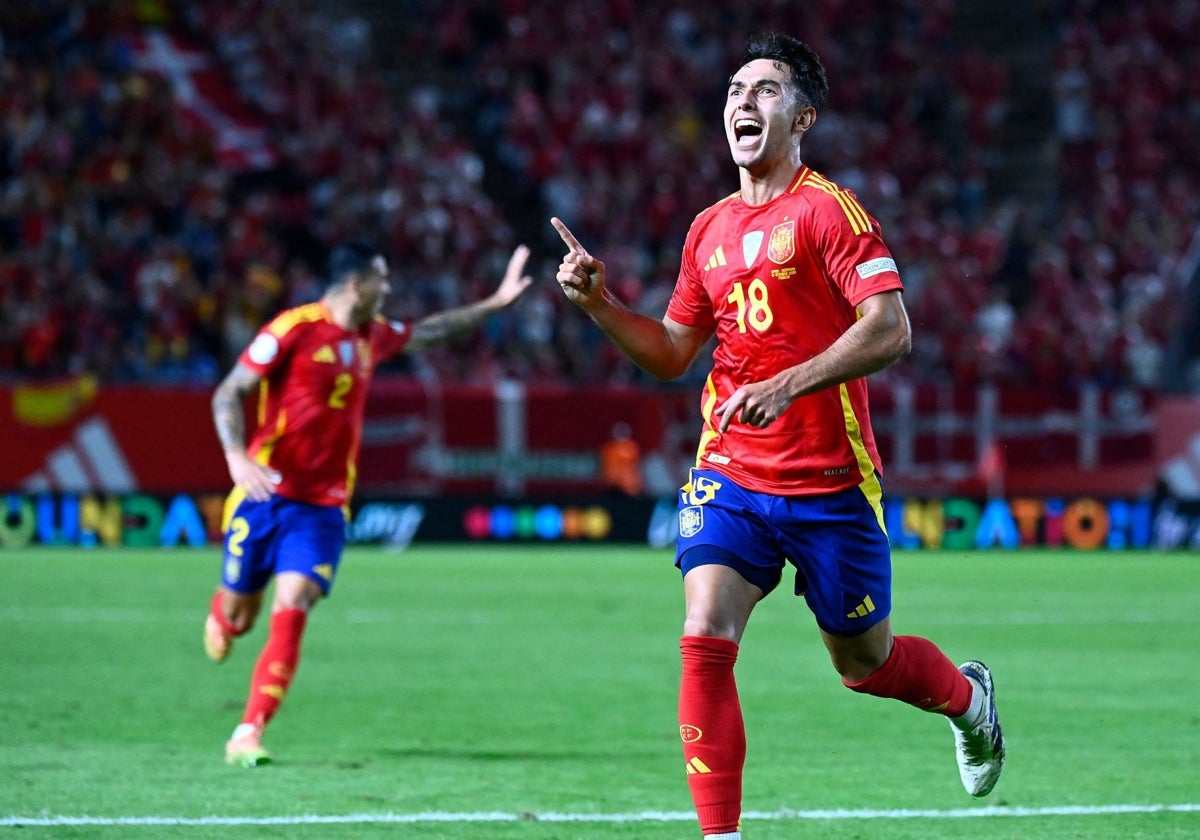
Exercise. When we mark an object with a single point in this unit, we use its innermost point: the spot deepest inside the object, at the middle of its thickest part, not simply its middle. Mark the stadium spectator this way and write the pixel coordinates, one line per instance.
(793, 278)
(104, 167)
(621, 461)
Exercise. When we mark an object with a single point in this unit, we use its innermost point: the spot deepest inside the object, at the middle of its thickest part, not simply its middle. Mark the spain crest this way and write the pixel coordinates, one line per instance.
(691, 520)
(782, 245)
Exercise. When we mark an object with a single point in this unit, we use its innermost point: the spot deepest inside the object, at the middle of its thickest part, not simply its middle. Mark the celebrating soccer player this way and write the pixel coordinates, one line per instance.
(793, 277)
(285, 518)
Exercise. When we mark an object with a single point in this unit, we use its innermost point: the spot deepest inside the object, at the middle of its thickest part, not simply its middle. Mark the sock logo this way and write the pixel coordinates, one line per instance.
(690, 734)
(695, 765)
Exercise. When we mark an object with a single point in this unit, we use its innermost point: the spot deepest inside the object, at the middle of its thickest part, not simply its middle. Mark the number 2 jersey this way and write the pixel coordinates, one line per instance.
(311, 399)
(780, 283)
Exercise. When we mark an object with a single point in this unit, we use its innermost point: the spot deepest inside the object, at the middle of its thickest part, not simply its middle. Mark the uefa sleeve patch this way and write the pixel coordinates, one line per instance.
(264, 349)
(876, 266)
(691, 521)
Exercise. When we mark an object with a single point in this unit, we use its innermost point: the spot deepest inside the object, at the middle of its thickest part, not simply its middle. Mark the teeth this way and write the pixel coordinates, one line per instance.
(744, 123)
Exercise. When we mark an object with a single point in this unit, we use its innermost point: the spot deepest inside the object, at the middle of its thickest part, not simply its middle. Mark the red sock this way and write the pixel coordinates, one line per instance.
(276, 666)
(218, 613)
(919, 674)
(714, 736)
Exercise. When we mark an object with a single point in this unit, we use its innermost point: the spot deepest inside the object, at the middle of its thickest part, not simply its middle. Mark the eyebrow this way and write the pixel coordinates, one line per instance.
(757, 83)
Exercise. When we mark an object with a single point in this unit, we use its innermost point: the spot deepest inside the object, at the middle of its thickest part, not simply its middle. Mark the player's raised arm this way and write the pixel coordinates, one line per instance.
(663, 349)
(442, 325)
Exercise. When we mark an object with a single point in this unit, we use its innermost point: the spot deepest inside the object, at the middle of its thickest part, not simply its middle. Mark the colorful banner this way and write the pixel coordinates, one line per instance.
(956, 523)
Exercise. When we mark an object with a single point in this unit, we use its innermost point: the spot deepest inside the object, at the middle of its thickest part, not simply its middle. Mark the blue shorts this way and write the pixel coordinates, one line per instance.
(263, 539)
(836, 542)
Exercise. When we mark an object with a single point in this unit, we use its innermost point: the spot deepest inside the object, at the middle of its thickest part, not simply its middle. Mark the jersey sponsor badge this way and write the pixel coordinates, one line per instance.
(751, 242)
(691, 521)
(781, 247)
(346, 352)
(264, 349)
(876, 266)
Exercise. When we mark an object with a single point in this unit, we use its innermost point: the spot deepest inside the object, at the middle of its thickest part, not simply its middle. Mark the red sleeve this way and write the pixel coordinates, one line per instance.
(851, 245)
(690, 304)
(271, 347)
(389, 337)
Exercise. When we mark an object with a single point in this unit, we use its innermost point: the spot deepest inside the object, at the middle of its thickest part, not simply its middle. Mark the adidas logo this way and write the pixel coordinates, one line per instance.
(92, 461)
(695, 765)
(717, 259)
(866, 607)
(325, 354)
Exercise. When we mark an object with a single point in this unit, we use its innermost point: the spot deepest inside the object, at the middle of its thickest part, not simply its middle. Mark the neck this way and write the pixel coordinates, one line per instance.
(341, 311)
(766, 184)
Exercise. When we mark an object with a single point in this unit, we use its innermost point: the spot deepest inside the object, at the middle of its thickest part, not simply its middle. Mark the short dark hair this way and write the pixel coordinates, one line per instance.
(349, 258)
(808, 75)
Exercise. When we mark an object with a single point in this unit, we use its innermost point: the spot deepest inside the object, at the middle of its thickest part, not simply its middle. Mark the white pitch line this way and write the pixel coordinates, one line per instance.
(643, 816)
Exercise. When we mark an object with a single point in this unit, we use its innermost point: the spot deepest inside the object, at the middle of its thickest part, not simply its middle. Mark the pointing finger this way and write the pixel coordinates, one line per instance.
(728, 409)
(568, 238)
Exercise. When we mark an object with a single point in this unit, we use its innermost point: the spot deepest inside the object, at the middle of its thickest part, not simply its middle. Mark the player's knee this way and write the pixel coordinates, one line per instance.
(857, 658)
(300, 599)
(855, 671)
(241, 622)
(710, 626)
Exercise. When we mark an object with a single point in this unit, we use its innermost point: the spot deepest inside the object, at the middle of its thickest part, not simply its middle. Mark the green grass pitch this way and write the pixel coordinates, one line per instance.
(529, 692)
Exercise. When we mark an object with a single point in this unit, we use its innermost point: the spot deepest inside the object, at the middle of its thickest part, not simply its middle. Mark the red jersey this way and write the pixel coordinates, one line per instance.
(780, 283)
(310, 408)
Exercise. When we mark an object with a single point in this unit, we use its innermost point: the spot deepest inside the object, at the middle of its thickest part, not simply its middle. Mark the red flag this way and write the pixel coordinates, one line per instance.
(207, 94)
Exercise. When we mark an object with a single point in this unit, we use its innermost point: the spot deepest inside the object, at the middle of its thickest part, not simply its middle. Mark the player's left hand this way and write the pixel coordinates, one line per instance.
(515, 282)
(760, 404)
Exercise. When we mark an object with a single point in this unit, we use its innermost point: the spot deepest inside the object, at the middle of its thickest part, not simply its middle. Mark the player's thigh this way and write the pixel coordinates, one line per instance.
(721, 523)
(249, 548)
(310, 543)
(718, 601)
(843, 559)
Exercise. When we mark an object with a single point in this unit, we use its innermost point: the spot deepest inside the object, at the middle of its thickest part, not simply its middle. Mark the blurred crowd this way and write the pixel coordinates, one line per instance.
(172, 174)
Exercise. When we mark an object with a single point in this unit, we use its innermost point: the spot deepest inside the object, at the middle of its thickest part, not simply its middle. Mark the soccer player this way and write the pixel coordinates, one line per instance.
(285, 518)
(792, 276)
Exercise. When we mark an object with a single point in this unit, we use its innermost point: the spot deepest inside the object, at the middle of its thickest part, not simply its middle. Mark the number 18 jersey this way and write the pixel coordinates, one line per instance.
(779, 283)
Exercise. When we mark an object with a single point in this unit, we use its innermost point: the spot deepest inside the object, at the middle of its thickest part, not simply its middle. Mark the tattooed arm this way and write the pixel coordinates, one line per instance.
(440, 326)
(256, 480)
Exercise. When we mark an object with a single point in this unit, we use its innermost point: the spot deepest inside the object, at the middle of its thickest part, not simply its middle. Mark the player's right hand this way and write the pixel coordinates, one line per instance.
(252, 478)
(580, 274)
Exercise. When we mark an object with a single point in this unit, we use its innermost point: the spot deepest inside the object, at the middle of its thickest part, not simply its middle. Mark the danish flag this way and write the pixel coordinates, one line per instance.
(208, 96)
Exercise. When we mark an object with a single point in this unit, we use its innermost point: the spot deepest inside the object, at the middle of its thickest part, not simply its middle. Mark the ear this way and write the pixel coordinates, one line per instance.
(804, 119)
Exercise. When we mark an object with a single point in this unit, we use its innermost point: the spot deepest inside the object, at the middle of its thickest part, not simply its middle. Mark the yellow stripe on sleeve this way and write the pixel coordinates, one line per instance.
(860, 222)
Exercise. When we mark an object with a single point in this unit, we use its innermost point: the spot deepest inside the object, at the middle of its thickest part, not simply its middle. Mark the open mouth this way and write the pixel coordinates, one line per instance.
(747, 131)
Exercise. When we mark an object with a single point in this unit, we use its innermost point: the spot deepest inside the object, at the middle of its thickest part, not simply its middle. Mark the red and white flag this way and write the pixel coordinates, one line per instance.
(209, 96)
